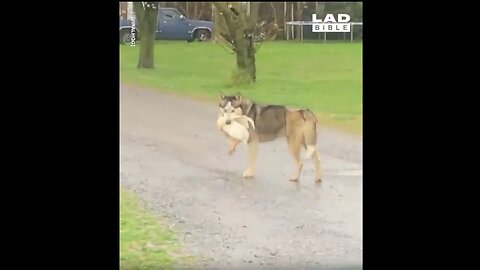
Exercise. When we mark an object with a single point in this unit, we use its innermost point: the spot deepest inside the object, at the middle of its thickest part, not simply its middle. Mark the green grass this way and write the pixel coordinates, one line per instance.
(326, 78)
(144, 242)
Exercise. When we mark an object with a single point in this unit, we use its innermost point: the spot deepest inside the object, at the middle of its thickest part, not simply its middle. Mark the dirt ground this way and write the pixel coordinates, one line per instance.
(176, 160)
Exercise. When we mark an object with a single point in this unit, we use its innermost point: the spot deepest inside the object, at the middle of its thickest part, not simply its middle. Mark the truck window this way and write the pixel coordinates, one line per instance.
(170, 14)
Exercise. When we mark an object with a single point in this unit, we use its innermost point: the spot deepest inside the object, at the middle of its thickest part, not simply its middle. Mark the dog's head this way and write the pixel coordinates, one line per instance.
(230, 105)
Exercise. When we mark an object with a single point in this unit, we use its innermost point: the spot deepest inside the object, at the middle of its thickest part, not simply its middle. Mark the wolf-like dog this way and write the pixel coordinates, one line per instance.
(298, 126)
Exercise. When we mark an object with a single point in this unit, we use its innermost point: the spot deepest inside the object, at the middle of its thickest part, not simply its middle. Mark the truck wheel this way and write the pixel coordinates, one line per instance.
(202, 35)
(125, 36)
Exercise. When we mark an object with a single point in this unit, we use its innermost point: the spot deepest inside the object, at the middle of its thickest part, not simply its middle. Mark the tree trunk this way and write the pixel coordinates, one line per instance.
(245, 53)
(299, 13)
(199, 9)
(195, 10)
(147, 17)
(272, 4)
(240, 28)
(320, 11)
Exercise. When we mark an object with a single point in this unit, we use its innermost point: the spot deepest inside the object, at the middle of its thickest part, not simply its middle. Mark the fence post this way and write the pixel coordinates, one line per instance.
(301, 31)
(351, 32)
(287, 33)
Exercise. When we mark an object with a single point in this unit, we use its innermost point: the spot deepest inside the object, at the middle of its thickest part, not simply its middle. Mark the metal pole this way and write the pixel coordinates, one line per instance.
(285, 18)
(287, 33)
(351, 32)
(324, 37)
(301, 31)
(316, 12)
(293, 32)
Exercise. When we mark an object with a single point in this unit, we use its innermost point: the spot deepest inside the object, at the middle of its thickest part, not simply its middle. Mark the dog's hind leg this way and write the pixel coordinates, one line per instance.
(318, 168)
(294, 145)
(252, 156)
(310, 137)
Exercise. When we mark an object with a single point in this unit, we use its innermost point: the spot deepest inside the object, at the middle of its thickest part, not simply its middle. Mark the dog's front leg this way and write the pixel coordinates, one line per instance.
(252, 156)
(232, 145)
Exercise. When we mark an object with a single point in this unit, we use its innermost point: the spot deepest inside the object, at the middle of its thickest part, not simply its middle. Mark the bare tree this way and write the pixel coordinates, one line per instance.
(236, 27)
(299, 15)
(147, 13)
(320, 9)
(272, 5)
(274, 27)
(197, 9)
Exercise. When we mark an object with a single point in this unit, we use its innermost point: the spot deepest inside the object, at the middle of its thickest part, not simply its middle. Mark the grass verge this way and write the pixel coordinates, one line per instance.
(326, 78)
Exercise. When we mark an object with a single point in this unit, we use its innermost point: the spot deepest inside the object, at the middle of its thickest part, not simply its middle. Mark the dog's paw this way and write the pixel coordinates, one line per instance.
(231, 151)
(294, 178)
(248, 173)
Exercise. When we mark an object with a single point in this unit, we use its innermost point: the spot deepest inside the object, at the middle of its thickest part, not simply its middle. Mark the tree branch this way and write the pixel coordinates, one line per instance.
(223, 9)
(227, 14)
(253, 17)
(229, 48)
(140, 15)
(236, 8)
(272, 5)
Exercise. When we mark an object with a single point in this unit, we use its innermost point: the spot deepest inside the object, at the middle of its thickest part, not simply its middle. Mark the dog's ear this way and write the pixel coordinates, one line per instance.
(238, 96)
(222, 95)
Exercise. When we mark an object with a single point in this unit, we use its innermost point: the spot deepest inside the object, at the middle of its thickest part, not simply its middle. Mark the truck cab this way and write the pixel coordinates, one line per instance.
(171, 25)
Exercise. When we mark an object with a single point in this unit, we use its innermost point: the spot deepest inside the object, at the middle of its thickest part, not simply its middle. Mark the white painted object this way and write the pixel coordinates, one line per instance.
(238, 128)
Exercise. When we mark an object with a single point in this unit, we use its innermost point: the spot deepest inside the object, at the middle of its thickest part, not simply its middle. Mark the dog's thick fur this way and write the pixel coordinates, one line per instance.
(272, 122)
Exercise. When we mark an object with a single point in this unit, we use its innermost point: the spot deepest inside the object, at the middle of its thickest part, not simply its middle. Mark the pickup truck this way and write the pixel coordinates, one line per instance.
(171, 25)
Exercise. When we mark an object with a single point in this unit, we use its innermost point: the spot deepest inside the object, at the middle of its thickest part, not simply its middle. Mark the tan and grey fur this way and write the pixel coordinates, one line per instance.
(298, 126)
